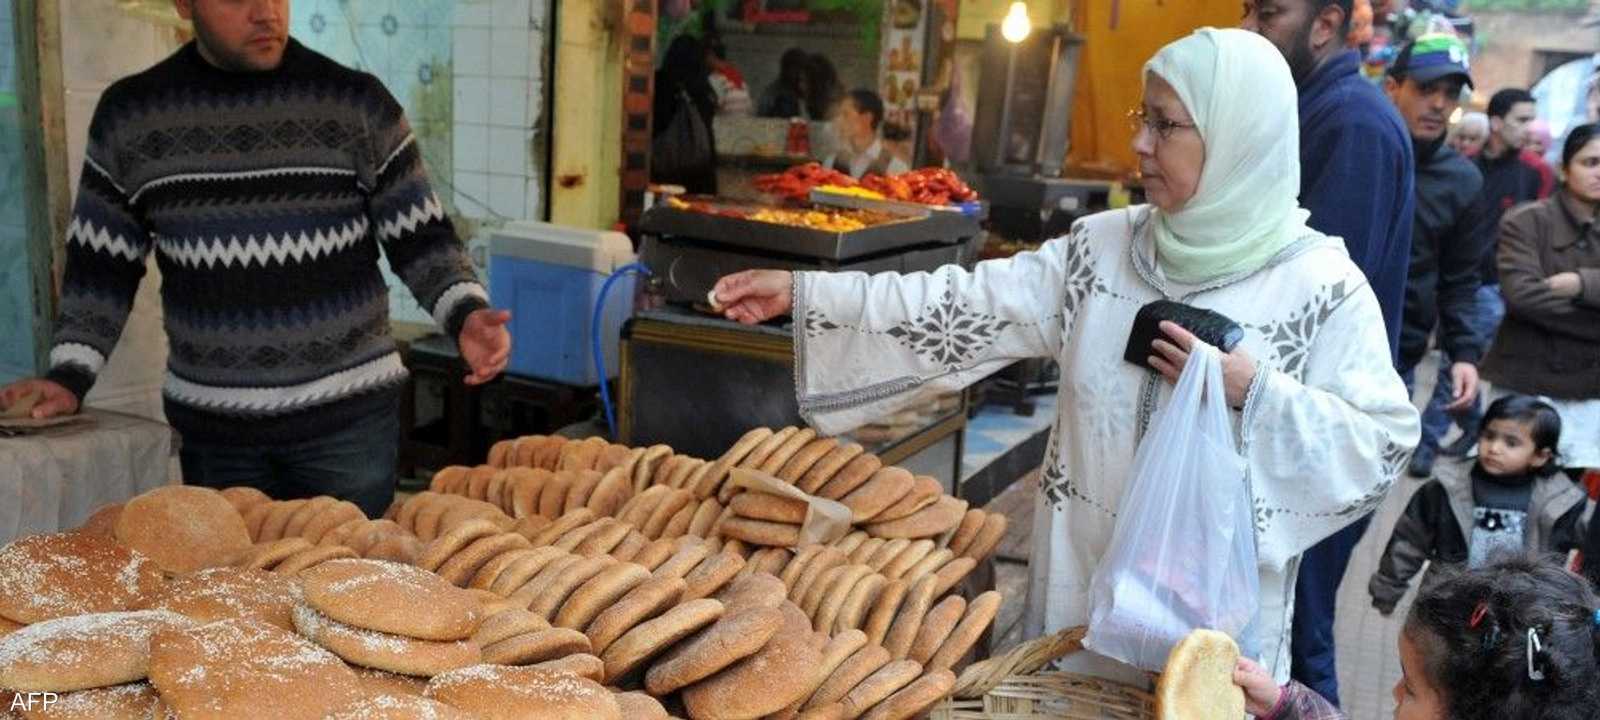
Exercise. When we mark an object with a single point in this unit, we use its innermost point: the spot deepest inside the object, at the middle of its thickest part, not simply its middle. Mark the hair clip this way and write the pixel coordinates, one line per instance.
(1483, 609)
(1535, 663)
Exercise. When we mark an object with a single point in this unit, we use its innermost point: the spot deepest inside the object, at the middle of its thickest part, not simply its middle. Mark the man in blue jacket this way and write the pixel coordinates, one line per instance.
(1356, 180)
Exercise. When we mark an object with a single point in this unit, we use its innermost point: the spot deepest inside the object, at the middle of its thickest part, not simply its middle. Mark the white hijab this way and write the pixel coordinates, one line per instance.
(1246, 210)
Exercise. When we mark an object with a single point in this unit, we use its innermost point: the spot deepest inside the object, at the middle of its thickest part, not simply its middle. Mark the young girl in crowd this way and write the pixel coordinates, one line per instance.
(1517, 640)
(1510, 500)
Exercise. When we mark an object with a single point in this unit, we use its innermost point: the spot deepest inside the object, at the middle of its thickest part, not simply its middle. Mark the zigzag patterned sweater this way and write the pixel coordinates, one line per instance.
(266, 198)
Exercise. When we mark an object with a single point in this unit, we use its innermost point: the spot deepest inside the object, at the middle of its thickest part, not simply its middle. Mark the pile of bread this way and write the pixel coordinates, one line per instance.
(585, 584)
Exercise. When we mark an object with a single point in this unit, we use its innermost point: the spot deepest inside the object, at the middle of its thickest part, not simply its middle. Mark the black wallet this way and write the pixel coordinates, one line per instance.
(1210, 326)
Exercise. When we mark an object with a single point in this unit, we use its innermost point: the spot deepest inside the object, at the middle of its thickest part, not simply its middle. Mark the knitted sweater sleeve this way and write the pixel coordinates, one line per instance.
(106, 245)
(411, 224)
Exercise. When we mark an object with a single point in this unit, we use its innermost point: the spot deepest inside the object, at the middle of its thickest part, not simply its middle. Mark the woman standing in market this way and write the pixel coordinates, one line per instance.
(683, 145)
(1324, 422)
(1549, 343)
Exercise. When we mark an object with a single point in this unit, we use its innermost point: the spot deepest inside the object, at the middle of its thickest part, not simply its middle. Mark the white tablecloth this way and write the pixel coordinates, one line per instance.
(55, 478)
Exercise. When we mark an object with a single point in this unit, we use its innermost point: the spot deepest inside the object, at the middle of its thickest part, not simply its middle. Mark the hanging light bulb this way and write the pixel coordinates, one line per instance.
(1016, 25)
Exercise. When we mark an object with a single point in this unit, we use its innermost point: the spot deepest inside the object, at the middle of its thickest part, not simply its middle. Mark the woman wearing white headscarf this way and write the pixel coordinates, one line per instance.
(1324, 423)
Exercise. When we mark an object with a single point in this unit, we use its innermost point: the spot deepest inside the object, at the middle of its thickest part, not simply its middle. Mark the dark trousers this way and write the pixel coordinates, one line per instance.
(1316, 591)
(356, 463)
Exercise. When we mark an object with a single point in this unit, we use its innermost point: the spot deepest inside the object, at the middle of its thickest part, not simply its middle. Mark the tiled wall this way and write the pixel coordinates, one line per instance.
(470, 74)
(16, 286)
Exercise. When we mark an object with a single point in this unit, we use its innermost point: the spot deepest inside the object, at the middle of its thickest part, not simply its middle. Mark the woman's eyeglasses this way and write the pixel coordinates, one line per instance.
(1159, 126)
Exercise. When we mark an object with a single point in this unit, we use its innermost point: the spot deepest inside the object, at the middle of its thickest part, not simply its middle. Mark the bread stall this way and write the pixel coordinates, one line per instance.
(558, 579)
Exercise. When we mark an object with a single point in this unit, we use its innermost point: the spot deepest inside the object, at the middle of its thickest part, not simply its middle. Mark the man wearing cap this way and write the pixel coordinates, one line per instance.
(1356, 181)
(1425, 84)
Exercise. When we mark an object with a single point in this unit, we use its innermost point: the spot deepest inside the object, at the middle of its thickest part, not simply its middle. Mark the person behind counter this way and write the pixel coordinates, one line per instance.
(786, 96)
(1325, 423)
(282, 374)
(683, 144)
(861, 150)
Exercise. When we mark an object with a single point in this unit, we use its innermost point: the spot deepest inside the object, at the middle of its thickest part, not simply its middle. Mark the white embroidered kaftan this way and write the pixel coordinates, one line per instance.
(1326, 428)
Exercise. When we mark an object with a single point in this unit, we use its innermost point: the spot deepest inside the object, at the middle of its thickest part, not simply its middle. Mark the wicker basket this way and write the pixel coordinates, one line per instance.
(1008, 687)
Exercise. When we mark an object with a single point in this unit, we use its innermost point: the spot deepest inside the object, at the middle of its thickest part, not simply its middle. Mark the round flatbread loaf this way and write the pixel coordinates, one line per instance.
(656, 553)
(861, 664)
(598, 593)
(881, 615)
(966, 530)
(247, 668)
(761, 532)
(507, 623)
(900, 564)
(496, 566)
(936, 627)
(648, 600)
(761, 452)
(650, 638)
(523, 569)
(556, 592)
(885, 488)
(268, 555)
(462, 566)
(711, 480)
(391, 598)
(780, 457)
(447, 545)
(712, 574)
(940, 517)
(614, 489)
(979, 615)
(536, 647)
(780, 673)
(1197, 683)
(500, 692)
(988, 539)
(684, 560)
(182, 528)
(914, 699)
(909, 620)
(930, 564)
(823, 471)
(797, 465)
(730, 639)
(63, 574)
(389, 706)
(925, 490)
(222, 593)
(82, 651)
(878, 686)
(952, 574)
(335, 515)
(853, 611)
(384, 651)
(853, 475)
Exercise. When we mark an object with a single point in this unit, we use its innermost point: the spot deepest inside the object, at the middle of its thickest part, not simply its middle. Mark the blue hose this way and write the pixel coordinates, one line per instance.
(594, 336)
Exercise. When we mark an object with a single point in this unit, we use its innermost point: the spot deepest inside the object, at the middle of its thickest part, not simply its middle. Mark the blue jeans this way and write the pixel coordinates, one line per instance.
(355, 464)
(1484, 320)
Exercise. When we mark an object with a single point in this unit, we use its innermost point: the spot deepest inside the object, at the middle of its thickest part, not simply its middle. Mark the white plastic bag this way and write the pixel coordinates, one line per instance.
(1183, 553)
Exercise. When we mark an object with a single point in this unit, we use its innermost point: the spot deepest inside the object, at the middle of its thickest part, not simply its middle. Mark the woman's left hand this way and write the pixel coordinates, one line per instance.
(1238, 368)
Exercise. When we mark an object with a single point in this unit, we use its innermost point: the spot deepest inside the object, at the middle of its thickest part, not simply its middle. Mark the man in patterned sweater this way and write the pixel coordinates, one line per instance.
(266, 178)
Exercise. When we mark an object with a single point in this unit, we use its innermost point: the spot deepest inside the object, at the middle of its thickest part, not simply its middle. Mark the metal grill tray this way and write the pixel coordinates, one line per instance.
(940, 227)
